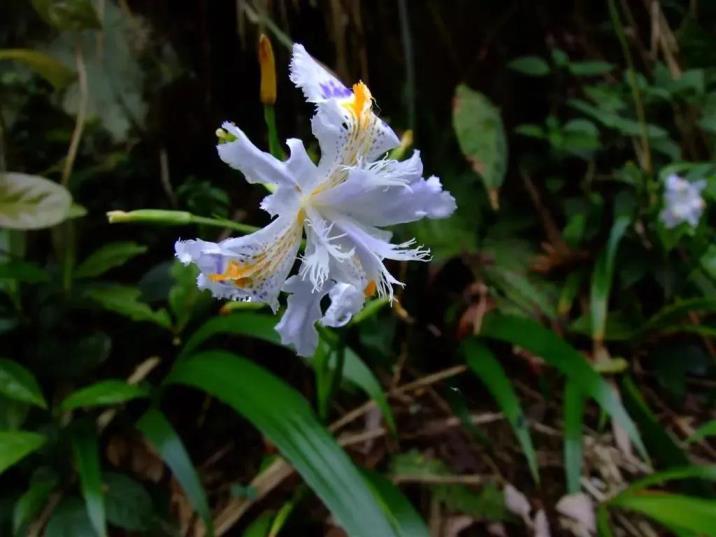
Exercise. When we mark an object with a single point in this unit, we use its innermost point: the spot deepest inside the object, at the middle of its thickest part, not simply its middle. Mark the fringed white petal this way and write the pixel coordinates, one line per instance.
(262, 167)
(297, 326)
(250, 268)
(317, 83)
(389, 192)
(346, 301)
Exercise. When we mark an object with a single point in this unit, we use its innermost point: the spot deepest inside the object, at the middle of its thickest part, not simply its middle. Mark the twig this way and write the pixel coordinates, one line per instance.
(137, 376)
(420, 383)
(467, 479)
(81, 115)
(166, 177)
(36, 527)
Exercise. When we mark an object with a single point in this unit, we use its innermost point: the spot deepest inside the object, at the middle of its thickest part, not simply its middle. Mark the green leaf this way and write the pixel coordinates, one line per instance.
(531, 130)
(573, 416)
(184, 295)
(603, 526)
(85, 450)
(706, 430)
(129, 505)
(590, 68)
(114, 254)
(55, 72)
(357, 372)
(530, 66)
(102, 393)
(662, 446)
(30, 503)
(18, 383)
(23, 271)
(602, 279)
(705, 472)
(250, 324)
(484, 364)
(286, 418)
(31, 202)
(71, 15)
(14, 445)
(674, 511)
(670, 315)
(481, 137)
(262, 326)
(126, 301)
(160, 433)
(406, 519)
(261, 526)
(70, 520)
(543, 342)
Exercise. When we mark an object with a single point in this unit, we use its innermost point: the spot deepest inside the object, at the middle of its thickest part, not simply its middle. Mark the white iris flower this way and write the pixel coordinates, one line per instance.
(340, 204)
(682, 202)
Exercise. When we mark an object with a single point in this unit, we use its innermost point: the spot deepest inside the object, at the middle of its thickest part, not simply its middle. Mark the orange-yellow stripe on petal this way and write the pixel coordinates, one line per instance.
(370, 289)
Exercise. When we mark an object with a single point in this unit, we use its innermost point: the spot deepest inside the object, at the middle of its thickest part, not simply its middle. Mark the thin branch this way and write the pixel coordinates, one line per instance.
(81, 115)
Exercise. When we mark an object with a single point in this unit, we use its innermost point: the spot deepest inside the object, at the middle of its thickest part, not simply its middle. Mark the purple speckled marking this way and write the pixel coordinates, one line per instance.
(332, 89)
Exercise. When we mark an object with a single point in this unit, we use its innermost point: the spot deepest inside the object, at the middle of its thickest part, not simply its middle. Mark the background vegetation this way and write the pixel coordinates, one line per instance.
(550, 372)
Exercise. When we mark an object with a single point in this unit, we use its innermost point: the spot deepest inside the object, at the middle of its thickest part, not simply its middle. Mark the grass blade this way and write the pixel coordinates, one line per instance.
(573, 416)
(286, 418)
(664, 449)
(602, 279)
(674, 511)
(160, 433)
(408, 521)
(484, 364)
(544, 343)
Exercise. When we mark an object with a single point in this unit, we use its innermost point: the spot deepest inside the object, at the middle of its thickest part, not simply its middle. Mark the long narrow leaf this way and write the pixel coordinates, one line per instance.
(573, 416)
(602, 279)
(160, 433)
(677, 512)
(663, 448)
(707, 472)
(249, 324)
(285, 417)
(85, 449)
(407, 520)
(544, 343)
(484, 364)
(262, 326)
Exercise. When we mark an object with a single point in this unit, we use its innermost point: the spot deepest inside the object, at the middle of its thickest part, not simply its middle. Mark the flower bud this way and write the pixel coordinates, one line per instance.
(268, 71)
(154, 216)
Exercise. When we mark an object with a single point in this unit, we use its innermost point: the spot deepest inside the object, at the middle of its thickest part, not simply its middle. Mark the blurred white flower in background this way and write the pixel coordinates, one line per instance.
(682, 202)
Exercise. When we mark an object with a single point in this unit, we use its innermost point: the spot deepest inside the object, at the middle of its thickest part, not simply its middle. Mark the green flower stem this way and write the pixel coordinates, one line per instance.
(328, 379)
(174, 218)
(273, 139)
(631, 77)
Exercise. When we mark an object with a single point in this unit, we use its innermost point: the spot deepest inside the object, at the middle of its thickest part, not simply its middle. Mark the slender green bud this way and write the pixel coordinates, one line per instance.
(154, 216)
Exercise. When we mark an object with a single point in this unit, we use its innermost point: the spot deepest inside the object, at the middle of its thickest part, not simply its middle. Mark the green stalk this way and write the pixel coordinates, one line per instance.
(636, 94)
(273, 139)
(174, 218)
